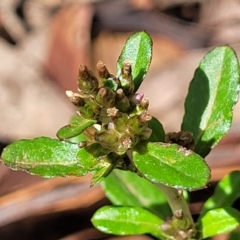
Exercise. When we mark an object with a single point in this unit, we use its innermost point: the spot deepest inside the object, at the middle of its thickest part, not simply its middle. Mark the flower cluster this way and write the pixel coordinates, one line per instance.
(121, 115)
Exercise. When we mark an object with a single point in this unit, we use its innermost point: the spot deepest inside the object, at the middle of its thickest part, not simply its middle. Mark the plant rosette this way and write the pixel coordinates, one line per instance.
(143, 171)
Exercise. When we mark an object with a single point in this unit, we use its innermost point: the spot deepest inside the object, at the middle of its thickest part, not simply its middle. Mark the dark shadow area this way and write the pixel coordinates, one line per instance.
(51, 226)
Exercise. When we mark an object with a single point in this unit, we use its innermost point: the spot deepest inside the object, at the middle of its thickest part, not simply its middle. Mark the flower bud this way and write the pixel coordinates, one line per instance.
(136, 98)
(145, 116)
(144, 103)
(135, 125)
(108, 139)
(124, 144)
(105, 97)
(121, 122)
(89, 110)
(122, 102)
(75, 98)
(102, 73)
(126, 79)
(87, 82)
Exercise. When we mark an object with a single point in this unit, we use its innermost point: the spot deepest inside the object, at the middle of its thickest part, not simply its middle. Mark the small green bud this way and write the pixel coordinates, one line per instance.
(121, 122)
(180, 221)
(87, 82)
(90, 110)
(141, 107)
(108, 139)
(105, 97)
(126, 79)
(135, 125)
(75, 98)
(122, 102)
(102, 73)
(103, 116)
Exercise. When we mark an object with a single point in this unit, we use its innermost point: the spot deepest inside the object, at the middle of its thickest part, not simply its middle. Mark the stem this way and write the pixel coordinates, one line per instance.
(177, 201)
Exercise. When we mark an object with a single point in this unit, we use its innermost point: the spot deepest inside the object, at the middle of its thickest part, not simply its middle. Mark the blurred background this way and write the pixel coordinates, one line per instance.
(42, 42)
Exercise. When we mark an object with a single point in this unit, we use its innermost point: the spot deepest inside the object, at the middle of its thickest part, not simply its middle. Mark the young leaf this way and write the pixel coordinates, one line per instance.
(171, 165)
(218, 221)
(138, 52)
(211, 97)
(77, 139)
(43, 156)
(127, 221)
(226, 192)
(125, 188)
(158, 134)
(74, 129)
(105, 168)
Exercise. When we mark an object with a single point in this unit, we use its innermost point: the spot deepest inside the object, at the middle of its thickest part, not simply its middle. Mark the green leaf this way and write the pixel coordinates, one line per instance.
(171, 165)
(105, 168)
(218, 221)
(43, 156)
(126, 221)
(225, 193)
(75, 128)
(211, 97)
(137, 51)
(77, 139)
(158, 134)
(125, 188)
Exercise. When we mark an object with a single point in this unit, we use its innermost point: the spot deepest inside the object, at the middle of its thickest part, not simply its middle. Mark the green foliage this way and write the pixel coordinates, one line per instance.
(218, 221)
(127, 221)
(226, 192)
(131, 190)
(171, 165)
(44, 156)
(212, 95)
(75, 128)
(138, 52)
(114, 131)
